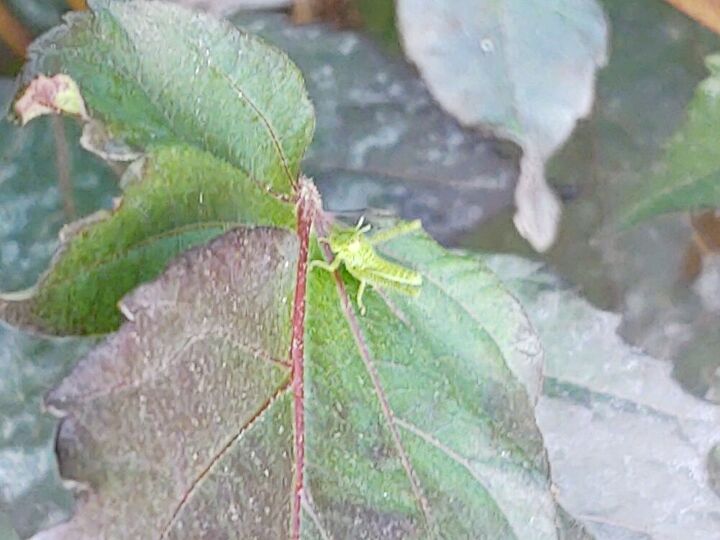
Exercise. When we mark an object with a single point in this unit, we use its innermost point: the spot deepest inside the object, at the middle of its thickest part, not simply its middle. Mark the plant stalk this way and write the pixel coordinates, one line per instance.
(308, 207)
(62, 161)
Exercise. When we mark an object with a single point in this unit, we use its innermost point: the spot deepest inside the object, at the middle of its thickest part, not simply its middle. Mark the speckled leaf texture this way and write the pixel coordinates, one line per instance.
(418, 417)
(179, 425)
(689, 177)
(223, 119)
(180, 197)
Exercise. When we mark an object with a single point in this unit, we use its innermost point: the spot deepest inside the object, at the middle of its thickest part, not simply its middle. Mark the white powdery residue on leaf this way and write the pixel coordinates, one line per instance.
(628, 447)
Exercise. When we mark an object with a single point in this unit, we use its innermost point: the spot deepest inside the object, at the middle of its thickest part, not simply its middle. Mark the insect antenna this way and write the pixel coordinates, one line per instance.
(361, 226)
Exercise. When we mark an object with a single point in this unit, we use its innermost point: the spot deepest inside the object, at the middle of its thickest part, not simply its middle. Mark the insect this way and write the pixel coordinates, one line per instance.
(357, 251)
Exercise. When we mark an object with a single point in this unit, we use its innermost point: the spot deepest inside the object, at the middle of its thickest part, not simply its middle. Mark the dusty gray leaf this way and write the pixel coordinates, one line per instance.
(7, 532)
(642, 97)
(714, 469)
(629, 449)
(525, 69)
(30, 490)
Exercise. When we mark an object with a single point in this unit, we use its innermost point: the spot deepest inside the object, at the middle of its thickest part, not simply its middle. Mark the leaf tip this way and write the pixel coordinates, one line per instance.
(538, 208)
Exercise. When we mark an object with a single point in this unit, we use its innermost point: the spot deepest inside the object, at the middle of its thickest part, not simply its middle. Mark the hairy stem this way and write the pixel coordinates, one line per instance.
(62, 161)
(307, 207)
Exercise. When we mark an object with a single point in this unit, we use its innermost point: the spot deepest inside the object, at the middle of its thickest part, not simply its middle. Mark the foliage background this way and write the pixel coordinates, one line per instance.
(657, 61)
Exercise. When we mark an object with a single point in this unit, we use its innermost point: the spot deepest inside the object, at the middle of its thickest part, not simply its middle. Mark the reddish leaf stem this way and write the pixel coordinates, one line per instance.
(215, 459)
(307, 207)
(62, 162)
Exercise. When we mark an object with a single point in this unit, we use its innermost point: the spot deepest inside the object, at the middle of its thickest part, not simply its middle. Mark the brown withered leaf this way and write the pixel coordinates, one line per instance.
(706, 12)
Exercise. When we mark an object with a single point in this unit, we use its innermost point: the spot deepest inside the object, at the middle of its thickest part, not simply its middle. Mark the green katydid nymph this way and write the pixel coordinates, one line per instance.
(356, 251)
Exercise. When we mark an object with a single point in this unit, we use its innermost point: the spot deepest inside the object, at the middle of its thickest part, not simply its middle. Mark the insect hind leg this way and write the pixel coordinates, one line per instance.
(332, 267)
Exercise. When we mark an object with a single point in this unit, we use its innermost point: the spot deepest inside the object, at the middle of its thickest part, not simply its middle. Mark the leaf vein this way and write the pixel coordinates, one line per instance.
(266, 122)
(223, 450)
(387, 411)
(450, 453)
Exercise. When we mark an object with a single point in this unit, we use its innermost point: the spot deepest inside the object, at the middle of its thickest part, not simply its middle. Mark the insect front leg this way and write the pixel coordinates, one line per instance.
(332, 267)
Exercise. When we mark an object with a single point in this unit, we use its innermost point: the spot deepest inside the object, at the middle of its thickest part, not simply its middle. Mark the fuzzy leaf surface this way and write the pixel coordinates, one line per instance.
(181, 197)
(159, 74)
(181, 423)
(223, 119)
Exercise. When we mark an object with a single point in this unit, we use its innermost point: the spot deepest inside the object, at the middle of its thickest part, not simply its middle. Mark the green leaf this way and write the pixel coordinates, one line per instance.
(221, 128)
(415, 424)
(157, 74)
(183, 197)
(689, 177)
(525, 69)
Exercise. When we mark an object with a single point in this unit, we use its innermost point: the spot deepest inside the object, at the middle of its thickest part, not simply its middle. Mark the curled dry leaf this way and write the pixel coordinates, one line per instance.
(58, 94)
